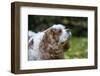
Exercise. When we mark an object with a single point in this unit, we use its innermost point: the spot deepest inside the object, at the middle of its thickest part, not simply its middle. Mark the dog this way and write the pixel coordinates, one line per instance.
(49, 44)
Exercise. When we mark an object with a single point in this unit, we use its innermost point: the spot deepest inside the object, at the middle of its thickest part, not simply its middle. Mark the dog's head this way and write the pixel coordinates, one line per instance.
(60, 33)
(61, 36)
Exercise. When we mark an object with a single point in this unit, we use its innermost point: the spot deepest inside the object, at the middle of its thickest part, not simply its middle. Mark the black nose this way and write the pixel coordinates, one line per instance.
(68, 30)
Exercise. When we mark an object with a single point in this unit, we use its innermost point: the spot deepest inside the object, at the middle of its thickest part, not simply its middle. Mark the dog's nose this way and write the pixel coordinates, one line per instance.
(68, 30)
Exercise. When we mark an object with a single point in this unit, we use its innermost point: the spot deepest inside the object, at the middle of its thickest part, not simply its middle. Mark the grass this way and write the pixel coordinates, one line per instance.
(78, 48)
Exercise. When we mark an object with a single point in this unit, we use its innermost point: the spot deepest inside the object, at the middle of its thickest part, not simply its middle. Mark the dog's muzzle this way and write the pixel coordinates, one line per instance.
(69, 33)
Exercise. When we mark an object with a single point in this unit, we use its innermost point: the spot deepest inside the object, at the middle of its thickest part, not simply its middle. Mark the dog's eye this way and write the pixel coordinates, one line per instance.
(60, 31)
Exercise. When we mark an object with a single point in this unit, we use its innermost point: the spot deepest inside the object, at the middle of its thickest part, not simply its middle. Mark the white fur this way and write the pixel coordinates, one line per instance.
(58, 26)
(34, 53)
(65, 35)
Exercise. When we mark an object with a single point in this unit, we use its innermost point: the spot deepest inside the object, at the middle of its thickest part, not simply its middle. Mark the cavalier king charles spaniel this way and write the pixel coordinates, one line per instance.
(49, 44)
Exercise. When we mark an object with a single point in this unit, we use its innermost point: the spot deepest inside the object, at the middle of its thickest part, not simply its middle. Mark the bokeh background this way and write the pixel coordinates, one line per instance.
(79, 28)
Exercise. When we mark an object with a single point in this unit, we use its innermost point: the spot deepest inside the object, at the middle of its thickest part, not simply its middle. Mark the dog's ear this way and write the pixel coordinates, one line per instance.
(56, 34)
(30, 44)
(49, 45)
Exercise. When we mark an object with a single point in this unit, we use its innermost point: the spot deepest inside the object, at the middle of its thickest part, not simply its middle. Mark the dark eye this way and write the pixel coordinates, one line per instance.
(60, 31)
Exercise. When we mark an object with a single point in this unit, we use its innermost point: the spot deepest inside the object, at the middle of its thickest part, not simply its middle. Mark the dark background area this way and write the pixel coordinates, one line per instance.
(78, 26)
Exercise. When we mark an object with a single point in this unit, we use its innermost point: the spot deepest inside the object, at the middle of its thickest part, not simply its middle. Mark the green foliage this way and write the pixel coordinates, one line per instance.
(78, 48)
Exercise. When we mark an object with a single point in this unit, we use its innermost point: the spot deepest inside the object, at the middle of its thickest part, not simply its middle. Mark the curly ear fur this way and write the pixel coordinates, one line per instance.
(49, 46)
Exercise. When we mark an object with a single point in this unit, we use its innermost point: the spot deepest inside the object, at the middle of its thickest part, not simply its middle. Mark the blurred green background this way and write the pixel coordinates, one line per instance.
(79, 28)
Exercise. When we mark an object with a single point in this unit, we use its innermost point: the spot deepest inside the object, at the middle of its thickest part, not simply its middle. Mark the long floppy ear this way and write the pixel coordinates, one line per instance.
(45, 41)
(48, 44)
